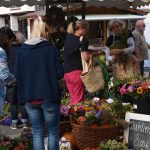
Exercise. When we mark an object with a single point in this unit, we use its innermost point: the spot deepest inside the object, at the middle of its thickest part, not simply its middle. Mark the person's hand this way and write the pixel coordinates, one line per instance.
(11, 83)
(113, 58)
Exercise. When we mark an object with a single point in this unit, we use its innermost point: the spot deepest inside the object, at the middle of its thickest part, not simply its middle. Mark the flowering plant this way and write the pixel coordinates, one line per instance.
(91, 112)
(132, 89)
(22, 142)
(113, 145)
(65, 109)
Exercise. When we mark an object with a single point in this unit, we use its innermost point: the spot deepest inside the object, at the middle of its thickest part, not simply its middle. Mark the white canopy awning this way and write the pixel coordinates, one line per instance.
(10, 3)
(16, 10)
(111, 16)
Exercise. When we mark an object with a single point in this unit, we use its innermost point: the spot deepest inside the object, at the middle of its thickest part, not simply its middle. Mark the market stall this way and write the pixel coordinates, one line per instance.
(99, 121)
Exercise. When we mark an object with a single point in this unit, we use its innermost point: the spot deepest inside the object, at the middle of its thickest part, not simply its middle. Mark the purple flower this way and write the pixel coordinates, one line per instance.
(65, 110)
(98, 114)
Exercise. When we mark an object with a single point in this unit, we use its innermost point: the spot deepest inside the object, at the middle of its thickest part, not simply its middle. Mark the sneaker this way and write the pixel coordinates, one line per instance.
(25, 125)
(14, 126)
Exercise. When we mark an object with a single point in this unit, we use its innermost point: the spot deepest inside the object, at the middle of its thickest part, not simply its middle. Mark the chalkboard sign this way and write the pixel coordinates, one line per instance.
(138, 133)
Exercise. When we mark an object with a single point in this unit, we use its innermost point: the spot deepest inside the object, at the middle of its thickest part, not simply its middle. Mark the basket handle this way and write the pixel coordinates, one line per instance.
(87, 66)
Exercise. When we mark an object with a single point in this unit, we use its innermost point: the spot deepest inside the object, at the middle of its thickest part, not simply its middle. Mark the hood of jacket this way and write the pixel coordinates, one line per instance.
(35, 42)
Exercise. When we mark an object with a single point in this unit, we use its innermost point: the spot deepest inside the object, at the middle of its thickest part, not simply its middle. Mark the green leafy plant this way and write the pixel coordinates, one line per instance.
(112, 145)
(118, 110)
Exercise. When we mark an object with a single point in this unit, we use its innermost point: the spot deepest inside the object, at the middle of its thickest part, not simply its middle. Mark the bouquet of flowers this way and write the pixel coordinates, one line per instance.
(99, 112)
(132, 89)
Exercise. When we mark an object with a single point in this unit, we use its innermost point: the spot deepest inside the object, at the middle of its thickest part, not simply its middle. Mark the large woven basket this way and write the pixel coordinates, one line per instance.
(93, 79)
(93, 136)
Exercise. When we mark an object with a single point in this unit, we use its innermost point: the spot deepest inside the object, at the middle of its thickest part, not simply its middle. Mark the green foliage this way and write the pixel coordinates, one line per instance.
(122, 42)
(118, 110)
(112, 145)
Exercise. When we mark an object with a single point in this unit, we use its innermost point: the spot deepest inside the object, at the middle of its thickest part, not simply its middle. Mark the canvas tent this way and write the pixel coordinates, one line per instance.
(106, 3)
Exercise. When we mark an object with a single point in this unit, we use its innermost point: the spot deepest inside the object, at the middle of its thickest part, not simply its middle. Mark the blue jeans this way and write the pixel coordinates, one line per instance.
(47, 112)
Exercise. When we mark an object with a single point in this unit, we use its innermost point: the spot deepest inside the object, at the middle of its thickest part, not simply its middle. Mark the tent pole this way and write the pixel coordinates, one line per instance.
(47, 3)
(83, 9)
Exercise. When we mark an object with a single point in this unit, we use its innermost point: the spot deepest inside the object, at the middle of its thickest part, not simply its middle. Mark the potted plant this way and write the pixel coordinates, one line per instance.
(94, 121)
(136, 91)
(112, 145)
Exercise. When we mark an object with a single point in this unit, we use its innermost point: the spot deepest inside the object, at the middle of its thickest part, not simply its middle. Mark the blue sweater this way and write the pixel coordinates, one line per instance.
(38, 69)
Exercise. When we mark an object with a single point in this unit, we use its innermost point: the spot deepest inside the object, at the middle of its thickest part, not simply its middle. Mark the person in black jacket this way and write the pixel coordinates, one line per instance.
(38, 69)
(14, 107)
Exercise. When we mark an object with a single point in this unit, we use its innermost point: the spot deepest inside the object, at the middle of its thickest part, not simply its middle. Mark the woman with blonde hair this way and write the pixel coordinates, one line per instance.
(38, 69)
(75, 44)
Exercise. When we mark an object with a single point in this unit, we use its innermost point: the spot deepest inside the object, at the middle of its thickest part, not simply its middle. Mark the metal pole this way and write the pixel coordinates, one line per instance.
(67, 9)
(83, 9)
(47, 3)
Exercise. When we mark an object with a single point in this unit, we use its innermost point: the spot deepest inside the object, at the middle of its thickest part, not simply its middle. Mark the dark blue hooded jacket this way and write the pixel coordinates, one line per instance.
(38, 69)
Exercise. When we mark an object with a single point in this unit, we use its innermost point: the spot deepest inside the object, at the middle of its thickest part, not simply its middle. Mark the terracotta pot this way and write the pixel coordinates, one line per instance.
(69, 136)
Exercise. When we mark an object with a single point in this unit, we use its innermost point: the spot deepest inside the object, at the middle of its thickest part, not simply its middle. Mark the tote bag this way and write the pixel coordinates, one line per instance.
(92, 77)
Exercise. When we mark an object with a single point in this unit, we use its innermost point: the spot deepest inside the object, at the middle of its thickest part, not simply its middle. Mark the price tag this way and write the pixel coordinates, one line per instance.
(135, 106)
(96, 99)
(110, 100)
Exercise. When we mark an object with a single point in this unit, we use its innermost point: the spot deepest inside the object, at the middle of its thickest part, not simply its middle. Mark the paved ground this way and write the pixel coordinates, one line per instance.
(6, 130)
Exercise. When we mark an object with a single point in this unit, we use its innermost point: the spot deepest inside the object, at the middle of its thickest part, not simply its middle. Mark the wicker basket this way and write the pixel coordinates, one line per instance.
(93, 80)
(65, 126)
(92, 136)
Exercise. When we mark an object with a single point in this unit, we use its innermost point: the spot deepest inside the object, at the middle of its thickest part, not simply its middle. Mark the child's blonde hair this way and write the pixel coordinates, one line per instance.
(39, 28)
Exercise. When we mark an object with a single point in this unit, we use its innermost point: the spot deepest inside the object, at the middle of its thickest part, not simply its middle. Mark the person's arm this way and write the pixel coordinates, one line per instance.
(148, 45)
(108, 56)
(137, 40)
(131, 46)
(86, 56)
(5, 75)
(84, 49)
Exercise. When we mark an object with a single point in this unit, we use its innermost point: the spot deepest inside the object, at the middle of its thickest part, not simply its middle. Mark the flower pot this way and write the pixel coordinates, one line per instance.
(142, 106)
(127, 99)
